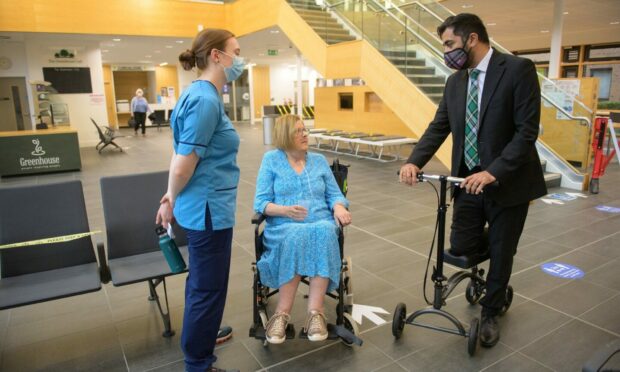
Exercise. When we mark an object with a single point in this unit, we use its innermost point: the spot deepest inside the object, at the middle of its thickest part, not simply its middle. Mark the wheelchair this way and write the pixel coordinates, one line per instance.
(345, 328)
(444, 286)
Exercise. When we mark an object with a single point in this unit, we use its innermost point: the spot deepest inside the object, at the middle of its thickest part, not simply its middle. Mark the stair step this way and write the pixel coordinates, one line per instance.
(435, 97)
(428, 79)
(397, 53)
(416, 70)
(304, 5)
(312, 13)
(431, 88)
(330, 31)
(543, 163)
(402, 61)
(553, 179)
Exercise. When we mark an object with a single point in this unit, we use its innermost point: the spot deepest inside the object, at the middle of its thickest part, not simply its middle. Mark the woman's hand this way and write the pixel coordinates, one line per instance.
(296, 212)
(342, 215)
(165, 213)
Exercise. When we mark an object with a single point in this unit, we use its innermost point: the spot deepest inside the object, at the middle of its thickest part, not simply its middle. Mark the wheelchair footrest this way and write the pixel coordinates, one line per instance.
(464, 261)
(331, 330)
(258, 331)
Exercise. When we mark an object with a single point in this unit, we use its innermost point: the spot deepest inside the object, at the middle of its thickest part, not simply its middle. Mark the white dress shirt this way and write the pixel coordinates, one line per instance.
(482, 67)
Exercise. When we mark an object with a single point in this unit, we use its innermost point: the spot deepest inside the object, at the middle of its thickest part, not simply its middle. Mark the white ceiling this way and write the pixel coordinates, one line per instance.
(526, 24)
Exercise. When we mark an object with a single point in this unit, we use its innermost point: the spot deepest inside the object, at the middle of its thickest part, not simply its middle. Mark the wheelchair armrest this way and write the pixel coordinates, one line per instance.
(258, 218)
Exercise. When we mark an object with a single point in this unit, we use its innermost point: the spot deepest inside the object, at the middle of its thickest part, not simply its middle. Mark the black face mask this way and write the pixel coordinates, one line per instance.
(458, 58)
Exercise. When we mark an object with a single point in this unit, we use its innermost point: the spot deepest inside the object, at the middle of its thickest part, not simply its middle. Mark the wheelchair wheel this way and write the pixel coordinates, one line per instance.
(350, 324)
(264, 319)
(398, 323)
(472, 340)
(509, 295)
(348, 276)
(473, 292)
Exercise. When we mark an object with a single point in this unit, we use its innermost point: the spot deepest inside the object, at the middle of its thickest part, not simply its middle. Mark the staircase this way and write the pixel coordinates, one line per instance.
(322, 22)
(552, 179)
(416, 70)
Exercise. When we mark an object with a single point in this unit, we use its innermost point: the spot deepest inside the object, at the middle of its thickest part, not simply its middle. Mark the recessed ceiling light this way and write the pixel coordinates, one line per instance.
(544, 31)
(467, 6)
(180, 41)
(116, 39)
(164, 64)
(104, 51)
(168, 46)
(565, 13)
(492, 24)
(275, 31)
(614, 23)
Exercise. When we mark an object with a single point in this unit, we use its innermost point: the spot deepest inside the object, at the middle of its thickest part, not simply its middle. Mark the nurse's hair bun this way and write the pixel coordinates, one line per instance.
(187, 59)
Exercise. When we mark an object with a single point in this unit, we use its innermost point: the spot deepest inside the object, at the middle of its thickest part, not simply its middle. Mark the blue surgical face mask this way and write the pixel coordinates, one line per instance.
(236, 69)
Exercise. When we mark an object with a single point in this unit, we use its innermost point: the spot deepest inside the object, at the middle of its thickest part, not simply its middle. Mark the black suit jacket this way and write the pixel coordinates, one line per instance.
(509, 121)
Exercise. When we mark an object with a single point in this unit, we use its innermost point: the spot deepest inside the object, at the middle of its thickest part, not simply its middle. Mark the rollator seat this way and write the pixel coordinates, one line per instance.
(465, 261)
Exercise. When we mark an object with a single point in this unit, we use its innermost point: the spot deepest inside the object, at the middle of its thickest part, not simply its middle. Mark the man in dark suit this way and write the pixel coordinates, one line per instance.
(491, 106)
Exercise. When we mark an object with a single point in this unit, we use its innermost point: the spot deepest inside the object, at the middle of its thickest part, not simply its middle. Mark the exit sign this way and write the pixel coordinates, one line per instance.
(272, 52)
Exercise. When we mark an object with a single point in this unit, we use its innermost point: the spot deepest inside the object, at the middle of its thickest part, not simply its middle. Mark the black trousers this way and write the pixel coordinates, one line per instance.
(140, 121)
(471, 213)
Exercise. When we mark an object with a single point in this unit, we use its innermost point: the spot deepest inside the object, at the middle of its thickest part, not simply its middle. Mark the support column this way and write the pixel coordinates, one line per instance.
(555, 57)
(299, 90)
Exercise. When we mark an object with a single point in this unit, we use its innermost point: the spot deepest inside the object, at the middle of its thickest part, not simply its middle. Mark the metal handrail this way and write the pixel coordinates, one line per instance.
(565, 113)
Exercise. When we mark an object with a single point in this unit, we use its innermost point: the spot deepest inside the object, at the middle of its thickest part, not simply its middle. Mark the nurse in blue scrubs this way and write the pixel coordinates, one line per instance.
(202, 189)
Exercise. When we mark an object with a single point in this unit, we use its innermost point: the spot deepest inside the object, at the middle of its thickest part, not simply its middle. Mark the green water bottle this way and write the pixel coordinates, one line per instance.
(170, 250)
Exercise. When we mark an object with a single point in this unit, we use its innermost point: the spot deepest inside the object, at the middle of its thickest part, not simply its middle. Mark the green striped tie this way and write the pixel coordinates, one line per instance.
(471, 122)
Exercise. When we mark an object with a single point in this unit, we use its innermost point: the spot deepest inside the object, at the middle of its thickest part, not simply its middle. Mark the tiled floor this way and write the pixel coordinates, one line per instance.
(553, 324)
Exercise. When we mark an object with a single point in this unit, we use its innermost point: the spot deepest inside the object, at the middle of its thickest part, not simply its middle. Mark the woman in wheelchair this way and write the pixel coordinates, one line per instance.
(304, 206)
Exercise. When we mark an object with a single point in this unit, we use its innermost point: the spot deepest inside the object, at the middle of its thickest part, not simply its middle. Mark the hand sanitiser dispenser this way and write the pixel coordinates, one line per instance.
(170, 250)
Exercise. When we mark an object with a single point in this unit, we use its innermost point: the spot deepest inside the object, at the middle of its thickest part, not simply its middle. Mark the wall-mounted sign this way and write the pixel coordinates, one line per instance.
(272, 52)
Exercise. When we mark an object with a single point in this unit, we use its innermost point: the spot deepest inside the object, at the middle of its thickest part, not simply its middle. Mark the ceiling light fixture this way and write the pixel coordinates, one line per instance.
(116, 39)
(544, 31)
(492, 24)
(614, 23)
(169, 46)
(565, 13)
(163, 64)
(180, 41)
(275, 31)
(467, 6)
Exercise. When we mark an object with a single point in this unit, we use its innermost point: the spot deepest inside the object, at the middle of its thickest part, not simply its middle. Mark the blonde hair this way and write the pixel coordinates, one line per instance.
(284, 131)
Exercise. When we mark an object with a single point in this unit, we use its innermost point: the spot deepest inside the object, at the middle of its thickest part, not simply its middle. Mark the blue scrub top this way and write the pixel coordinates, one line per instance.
(199, 123)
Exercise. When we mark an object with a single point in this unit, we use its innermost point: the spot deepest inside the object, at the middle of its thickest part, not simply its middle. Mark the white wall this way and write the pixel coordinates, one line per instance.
(282, 78)
(40, 53)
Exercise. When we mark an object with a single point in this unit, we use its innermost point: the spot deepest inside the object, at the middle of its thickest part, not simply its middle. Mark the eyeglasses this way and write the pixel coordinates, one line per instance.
(302, 131)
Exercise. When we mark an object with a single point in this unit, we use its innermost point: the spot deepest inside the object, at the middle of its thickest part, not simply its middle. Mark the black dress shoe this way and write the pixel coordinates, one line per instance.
(489, 330)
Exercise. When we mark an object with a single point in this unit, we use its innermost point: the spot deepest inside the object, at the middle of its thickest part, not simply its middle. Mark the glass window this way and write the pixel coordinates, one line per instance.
(604, 85)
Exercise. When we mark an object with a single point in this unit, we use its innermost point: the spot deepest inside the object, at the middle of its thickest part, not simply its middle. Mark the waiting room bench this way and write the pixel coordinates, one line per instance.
(377, 143)
(45, 272)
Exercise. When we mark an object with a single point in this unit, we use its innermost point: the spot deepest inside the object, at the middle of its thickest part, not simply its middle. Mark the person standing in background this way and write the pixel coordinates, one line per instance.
(139, 108)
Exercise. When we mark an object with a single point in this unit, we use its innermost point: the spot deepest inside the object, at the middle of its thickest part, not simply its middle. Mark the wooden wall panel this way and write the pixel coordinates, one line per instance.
(166, 76)
(261, 89)
(110, 101)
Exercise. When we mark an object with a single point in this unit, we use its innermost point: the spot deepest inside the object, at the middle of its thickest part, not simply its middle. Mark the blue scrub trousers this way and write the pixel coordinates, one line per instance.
(205, 293)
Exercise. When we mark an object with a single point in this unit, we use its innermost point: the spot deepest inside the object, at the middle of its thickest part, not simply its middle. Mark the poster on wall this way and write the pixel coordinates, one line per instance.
(563, 93)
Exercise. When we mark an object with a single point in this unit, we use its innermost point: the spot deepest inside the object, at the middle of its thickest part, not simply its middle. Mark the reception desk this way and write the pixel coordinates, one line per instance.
(39, 151)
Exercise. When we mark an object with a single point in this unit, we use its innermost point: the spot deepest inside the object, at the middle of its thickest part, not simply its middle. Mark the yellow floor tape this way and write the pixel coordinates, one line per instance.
(54, 240)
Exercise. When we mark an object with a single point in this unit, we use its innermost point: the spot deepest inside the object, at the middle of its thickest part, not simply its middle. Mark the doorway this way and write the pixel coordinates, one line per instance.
(14, 107)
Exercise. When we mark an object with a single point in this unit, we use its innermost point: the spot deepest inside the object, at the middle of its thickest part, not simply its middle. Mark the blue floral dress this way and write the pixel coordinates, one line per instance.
(309, 247)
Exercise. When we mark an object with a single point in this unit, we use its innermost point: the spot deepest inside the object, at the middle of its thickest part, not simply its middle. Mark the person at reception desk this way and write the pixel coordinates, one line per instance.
(139, 108)
(491, 107)
(202, 189)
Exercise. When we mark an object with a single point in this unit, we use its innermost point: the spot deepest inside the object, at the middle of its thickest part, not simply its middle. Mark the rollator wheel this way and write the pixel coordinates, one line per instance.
(472, 294)
(350, 324)
(398, 323)
(472, 340)
(594, 186)
(509, 295)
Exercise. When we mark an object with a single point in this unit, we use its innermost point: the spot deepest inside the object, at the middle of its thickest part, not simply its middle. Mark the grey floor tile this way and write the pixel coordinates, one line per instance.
(452, 355)
(393, 367)
(606, 275)
(569, 347)
(541, 251)
(576, 297)
(527, 322)
(605, 315)
(75, 348)
(517, 362)
(337, 357)
(583, 260)
(607, 247)
(534, 282)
